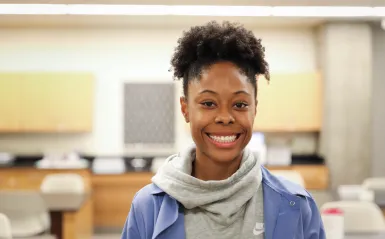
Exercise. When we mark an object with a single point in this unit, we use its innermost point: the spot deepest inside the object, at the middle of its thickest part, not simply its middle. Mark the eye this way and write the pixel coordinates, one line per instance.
(241, 105)
(208, 104)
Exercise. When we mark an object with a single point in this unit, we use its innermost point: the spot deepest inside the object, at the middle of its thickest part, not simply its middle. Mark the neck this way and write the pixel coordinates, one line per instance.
(207, 169)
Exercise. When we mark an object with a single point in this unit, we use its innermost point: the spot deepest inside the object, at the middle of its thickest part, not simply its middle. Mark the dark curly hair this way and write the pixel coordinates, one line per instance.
(202, 46)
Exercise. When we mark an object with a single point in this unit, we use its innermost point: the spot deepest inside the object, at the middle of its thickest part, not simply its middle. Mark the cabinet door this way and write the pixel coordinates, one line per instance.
(36, 111)
(72, 102)
(290, 102)
(57, 102)
(9, 102)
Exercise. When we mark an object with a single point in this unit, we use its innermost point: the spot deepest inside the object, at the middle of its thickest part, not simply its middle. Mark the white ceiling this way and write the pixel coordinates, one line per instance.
(171, 21)
(147, 21)
(214, 2)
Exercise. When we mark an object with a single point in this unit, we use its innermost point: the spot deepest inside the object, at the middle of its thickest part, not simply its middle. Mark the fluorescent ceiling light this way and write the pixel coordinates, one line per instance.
(323, 11)
(118, 10)
(379, 11)
(185, 10)
(33, 9)
(252, 11)
(194, 10)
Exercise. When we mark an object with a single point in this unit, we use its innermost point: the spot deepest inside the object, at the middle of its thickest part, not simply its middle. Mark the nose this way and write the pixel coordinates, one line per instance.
(224, 117)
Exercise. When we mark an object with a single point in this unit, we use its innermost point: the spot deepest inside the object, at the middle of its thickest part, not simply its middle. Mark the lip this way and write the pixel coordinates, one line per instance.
(223, 133)
(224, 145)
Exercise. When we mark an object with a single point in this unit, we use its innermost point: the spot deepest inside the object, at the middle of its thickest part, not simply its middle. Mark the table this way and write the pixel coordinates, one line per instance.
(365, 236)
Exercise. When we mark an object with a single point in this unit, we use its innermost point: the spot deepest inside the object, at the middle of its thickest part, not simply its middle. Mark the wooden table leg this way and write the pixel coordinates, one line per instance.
(57, 224)
(73, 224)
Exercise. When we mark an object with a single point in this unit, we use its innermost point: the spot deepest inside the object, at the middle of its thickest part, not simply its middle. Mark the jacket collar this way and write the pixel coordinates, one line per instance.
(155, 189)
(281, 207)
(287, 190)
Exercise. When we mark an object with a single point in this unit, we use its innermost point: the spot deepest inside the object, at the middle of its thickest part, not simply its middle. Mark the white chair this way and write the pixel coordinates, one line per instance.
(374, 184)
(5, 227)
(26, 212)
(63, 191)
(377, 187)
(290, 175)
(350, 192)
(359, 216)
(367, 195)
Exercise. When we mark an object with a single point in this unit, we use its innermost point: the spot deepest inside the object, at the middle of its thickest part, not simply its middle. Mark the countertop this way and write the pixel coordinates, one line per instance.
(29, 161)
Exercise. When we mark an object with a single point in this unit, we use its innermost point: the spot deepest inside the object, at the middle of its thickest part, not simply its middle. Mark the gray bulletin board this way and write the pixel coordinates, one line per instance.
(149, 113)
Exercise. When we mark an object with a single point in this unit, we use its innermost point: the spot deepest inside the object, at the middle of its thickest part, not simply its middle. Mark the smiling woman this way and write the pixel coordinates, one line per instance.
(219, 65)
(218, 188)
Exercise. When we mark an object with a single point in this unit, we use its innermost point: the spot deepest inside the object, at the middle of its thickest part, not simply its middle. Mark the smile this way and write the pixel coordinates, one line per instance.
(224, 141)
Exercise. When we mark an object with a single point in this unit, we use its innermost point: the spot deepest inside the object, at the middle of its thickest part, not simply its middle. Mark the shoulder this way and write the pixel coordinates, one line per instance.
(140, 219)
(310, 217)
(286, 187)
(145, 204)
(146, 196)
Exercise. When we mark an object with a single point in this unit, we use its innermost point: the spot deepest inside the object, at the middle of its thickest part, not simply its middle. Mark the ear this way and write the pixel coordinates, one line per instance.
(256, 94)
(184, 108)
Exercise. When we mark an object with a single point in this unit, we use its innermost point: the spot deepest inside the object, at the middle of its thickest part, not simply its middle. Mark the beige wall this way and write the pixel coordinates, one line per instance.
(346, 61)
(116, 56)
(378, 102)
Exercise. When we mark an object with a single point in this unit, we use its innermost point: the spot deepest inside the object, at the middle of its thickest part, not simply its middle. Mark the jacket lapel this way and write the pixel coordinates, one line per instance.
(287, 221)
(282, 212)
(270, 210)
(168, 214)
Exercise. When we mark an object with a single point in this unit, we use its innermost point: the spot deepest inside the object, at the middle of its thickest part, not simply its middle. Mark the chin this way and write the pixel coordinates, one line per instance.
(223, 156)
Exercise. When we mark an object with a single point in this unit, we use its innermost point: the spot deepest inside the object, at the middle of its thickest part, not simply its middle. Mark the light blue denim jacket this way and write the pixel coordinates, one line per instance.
(289, 213)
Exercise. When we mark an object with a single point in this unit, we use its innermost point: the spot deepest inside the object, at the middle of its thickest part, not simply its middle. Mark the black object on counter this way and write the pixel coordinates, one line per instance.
(26, 160)
(307, 159)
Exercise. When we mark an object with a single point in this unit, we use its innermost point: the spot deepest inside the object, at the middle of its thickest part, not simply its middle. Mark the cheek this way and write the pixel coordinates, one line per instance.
(199, 117)
(196, 120)
(247, 121)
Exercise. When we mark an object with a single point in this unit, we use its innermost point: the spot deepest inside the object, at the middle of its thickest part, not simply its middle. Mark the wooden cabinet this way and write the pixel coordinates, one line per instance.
(31, 178)
(289, 103)
(57, 102)
(47, 102)
(113, 195)
(36, 114)
(316, 177)
(10, 102)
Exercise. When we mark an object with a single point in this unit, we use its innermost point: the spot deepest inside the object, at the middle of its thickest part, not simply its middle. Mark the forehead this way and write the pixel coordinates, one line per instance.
(222, 77)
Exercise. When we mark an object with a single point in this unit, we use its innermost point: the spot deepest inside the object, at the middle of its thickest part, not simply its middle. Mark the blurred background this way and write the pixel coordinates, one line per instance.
(89, 109)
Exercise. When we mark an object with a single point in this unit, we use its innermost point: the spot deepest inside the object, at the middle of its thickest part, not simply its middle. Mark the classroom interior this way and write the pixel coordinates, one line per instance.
(89, 109)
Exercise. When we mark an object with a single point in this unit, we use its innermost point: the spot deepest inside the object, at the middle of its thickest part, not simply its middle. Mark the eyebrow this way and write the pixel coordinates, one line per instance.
(215, 93)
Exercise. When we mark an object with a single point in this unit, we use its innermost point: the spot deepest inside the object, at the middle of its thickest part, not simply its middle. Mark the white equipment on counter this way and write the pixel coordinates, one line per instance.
(279, 155)
(257, 145)
(62, 161)
(6, 158)
(109, 166)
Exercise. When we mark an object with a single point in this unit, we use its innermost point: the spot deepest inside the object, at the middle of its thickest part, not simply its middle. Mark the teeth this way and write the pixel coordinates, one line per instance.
(224, 139)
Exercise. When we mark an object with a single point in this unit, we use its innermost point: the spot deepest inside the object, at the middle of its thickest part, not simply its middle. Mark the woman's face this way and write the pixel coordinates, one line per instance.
(220, 108)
